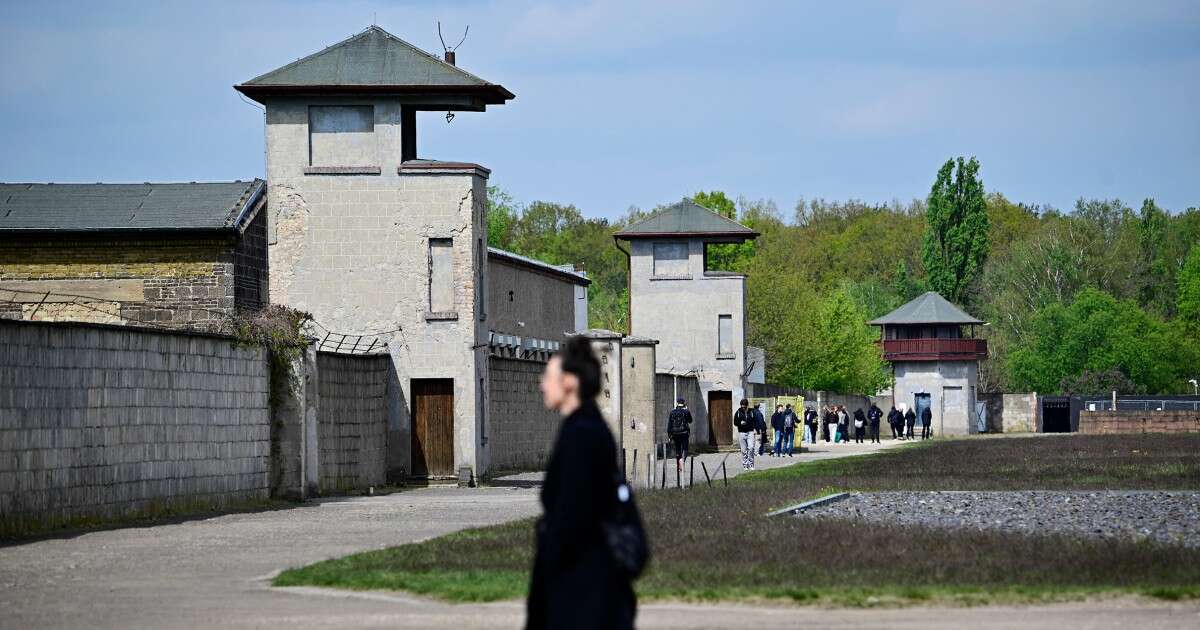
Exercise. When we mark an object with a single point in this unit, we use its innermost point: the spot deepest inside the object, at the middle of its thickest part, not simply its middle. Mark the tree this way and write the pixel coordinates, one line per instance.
(842, 353)
(1090, 382)
(502, 213)
(956, 233)
(1187, 292)
(724, 256)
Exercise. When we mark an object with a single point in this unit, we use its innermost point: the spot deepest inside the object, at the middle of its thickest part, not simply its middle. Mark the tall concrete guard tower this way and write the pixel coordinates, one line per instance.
(698, 315)
(369, 238)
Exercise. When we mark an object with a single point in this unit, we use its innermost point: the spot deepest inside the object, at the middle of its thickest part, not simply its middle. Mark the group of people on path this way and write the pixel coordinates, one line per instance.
(902, 423)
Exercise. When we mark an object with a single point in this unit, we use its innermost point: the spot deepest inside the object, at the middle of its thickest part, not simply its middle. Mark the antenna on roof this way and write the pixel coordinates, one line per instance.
(447, 51)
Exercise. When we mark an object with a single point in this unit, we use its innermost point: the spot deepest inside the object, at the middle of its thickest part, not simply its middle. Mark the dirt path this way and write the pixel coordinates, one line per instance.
(213, 573)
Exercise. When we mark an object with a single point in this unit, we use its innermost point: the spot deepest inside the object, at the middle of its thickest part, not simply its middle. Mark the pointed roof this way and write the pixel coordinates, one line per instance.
(683, 219)
(929, 308)
(374, 61)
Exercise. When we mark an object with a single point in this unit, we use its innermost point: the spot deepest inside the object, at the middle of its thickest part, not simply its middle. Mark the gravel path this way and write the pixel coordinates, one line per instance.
(1169, 517)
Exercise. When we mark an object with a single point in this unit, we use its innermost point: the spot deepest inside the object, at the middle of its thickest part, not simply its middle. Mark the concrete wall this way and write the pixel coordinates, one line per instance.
(1011, 413)
(952, 389)
(520, 430)
(681, 312)
(352, 420)
(638, 415)
(528, 303)
(184, 283)
(353, 249)
(1108, 422)
(99, 421)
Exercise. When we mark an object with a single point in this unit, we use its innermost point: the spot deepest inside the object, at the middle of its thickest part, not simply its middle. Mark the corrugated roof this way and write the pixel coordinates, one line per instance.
(128, 207)
(566, 271)
(374, 59)
(929, 308)
(686, 218)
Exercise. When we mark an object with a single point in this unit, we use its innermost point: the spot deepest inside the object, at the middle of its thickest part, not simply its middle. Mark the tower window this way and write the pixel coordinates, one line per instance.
(670, 259)
(724, 334)
(342, 135)
(441, 275)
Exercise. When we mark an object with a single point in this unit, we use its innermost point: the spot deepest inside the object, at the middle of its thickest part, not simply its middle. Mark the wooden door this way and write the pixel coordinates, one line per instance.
(720, 418)
(433, 427)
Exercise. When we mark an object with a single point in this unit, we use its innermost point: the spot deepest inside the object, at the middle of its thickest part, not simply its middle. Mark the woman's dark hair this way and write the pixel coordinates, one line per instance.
(578, 359)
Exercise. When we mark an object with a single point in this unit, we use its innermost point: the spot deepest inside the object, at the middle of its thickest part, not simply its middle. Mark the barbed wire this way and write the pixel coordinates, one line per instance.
(143, 315)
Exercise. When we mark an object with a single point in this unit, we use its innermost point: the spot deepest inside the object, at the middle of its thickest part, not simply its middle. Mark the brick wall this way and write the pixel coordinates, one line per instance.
(99, 421)
(352, 418)
(1106, 422)
(520, 430)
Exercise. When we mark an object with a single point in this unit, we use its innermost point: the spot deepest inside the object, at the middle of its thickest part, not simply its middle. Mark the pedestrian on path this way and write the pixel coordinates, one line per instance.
(777, 421)
(787, 433)
(810, 424)
(744, 422)
(910, 421)
(860, 425)
(896, 421)
(576, 583)
(831, 419)
(843, 425)
(926, 424)
(760, 427)
(679, 428)
(874, 416)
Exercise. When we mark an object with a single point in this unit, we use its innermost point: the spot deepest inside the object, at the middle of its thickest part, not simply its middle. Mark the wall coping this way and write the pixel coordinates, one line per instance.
(118, 327)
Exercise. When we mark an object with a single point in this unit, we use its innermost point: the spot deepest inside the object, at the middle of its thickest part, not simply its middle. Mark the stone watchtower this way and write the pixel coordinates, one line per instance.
(371, 239)
(698, 315)
(934, 364)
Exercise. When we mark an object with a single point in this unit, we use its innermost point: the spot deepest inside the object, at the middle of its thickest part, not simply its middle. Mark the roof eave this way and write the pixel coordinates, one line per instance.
(732, 235)
(490, 94)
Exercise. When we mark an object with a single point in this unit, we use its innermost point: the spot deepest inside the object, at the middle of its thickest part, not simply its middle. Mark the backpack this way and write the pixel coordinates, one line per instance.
(677, 422)
(789, 420)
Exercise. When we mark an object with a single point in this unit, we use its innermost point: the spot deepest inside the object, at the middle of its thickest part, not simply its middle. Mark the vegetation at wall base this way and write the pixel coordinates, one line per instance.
(717, 544)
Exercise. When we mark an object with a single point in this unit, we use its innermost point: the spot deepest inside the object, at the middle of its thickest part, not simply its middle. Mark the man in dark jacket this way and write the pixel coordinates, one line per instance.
(747, 428)
(874, 416)
(760, 427)
(679, 428)
(777, 425)
(896, 421)
(910, 421)
(785, 439)
(926, 424)
(810, 424)
(576, 582)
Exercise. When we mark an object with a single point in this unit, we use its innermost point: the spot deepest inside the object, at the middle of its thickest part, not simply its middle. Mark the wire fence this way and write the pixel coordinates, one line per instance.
(33, 305)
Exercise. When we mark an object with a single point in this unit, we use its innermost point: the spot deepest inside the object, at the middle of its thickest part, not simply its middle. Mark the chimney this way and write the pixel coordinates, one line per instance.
(450, 57)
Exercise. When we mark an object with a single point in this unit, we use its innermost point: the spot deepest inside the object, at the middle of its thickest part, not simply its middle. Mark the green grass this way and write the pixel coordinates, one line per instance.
(716, 544)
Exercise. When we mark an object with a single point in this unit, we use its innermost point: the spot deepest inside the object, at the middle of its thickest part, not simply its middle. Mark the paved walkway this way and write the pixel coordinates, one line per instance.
(213, 572)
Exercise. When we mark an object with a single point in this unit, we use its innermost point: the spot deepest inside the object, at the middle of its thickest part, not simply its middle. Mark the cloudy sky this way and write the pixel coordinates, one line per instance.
(636, 102)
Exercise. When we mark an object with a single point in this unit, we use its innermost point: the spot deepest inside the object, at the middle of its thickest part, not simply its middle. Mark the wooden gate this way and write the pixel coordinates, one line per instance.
(720, 418)
(433, 427)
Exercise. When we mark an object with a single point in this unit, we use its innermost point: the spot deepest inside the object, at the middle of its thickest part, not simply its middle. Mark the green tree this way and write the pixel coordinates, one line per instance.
(956, 233)
(502, 213)
(842, 354)
(1098, 333)
(1187, 293)
(725, 256)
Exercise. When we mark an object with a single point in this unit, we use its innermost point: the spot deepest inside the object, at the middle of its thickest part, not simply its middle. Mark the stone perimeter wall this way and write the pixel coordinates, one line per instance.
(352, 415)
(520, 430)
(99, 421)
(1108, 422)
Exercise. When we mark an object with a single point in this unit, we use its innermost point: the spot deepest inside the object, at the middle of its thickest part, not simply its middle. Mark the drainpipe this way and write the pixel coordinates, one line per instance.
(628, 286)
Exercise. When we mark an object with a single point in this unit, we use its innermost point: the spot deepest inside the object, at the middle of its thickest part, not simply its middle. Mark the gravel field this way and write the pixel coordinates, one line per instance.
(1168, 517)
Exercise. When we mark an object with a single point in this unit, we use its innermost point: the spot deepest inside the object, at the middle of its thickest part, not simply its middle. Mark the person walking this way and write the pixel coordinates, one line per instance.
(926, 424)
(830, 423)
(787, 433)
(860, 425)
(910, 420)
(843, 425)
(760, 428)
(679, 428)
(896, 421)
(874, 416)
(810, 424)
(777, 421)
(747, 428)
(576, 580)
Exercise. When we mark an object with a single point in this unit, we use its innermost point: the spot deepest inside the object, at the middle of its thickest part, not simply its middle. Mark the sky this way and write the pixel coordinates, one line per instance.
(639, 103)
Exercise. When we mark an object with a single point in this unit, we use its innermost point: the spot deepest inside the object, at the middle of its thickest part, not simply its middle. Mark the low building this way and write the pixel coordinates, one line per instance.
(935, 365)
(698, 315)
(175, 255)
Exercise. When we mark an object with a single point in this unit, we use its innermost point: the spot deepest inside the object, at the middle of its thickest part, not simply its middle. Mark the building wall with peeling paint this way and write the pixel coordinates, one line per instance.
(353, 250)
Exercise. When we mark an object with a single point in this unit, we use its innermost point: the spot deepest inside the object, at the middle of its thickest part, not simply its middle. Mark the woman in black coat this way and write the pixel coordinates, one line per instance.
(576, 583)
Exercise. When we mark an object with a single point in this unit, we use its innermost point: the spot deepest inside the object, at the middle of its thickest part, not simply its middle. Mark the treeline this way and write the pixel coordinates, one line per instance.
(1097, 298)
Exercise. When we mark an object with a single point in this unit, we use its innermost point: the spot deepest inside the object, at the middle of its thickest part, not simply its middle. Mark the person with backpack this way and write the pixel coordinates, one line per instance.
(860, 425)
(874, 416)
(590, 544)
(747, 428)
(910, 421)
(777, 426)
(926, 424)
(785, 438)
(679, 429)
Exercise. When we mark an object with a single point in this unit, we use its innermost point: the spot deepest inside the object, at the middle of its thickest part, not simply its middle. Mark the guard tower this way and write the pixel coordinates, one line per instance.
(371, 239)
(698, 315)
(934, 364)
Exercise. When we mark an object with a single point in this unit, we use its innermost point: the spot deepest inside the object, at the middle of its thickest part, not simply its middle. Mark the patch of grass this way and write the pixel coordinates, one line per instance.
(715, 544)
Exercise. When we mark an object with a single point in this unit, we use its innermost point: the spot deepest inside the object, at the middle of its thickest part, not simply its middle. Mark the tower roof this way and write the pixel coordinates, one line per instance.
(375, 61)
(686, 219)
(929, 308)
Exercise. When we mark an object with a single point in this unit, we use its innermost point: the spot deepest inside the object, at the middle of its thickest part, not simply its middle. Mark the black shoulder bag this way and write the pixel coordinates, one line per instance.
(624, 535)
